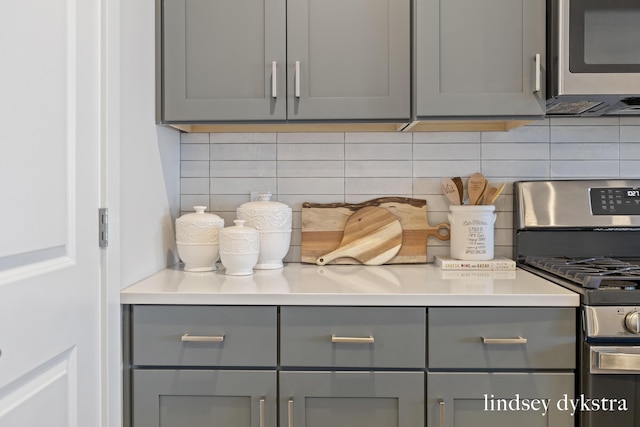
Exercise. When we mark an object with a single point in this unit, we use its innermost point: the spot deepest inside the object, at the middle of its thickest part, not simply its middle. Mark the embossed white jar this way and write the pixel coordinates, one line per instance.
(239, 249)
(273, 222)
(197, 239)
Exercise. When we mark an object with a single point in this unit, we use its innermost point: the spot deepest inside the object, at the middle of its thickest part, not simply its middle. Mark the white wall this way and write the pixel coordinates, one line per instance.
(149, 154)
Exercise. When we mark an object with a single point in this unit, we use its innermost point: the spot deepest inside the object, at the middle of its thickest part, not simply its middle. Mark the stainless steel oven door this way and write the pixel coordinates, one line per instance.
(614, 359)
(609, 386)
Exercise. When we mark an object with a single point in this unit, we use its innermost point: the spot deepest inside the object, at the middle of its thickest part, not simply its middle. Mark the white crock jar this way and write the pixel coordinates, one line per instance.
(472, 229)
(273, 222)
(197, 239)
(239, 249)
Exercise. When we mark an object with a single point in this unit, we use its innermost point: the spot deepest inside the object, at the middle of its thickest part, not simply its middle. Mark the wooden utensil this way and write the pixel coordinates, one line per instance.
(372, 236)
(458, 181)
(323, 228)
(476, 187)
(492, 194)
(450, 189)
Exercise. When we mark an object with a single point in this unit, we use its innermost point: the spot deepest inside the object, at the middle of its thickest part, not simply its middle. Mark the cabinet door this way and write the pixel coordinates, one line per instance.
(477, 58)
(218, 60)
(476, 399)
(178, 398)
(353, 59)
(351, 399)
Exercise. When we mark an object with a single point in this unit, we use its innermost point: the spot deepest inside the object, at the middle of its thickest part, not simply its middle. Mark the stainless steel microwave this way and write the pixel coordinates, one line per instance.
(593, 57)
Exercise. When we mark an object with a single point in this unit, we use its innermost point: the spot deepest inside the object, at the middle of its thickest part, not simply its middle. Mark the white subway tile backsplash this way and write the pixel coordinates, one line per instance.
(311, 138)
(585, 168)
(516, 151)
(585, 151)
(194, 186)
(194, 169)
(241, 185)
(194, 138)
(521, 134)
(237, 168)
(219, 170)
(585, 134)
(629, 133)
(310, 168)
(226, 152)
(373, 169)
(243, 138)
(310, 151)
(378, 137)
(445, 137)
(379, 186)
(378, 151)
(516, 168)
(194, 151)
(440, 168)
(311, 186)
(447, 151)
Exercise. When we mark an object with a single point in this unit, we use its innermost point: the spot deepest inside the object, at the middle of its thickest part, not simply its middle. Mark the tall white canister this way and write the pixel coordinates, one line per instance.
(472, 232)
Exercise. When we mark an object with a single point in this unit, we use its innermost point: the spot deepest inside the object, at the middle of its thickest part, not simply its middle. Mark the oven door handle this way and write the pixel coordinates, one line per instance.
(607, 361)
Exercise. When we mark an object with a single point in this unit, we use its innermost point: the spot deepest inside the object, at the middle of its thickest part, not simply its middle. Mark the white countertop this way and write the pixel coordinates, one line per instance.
(388, 285)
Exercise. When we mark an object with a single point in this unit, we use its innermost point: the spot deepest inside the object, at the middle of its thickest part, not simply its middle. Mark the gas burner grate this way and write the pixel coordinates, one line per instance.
(594, 273)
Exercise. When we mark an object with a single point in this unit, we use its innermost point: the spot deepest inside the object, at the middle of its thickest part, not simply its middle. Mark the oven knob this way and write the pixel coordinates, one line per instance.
(632, 322)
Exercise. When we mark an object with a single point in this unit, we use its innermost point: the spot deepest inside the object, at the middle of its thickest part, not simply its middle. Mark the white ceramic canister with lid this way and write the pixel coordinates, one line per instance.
(472, 231)
(197, 235)
(239, 249)
(273, 221)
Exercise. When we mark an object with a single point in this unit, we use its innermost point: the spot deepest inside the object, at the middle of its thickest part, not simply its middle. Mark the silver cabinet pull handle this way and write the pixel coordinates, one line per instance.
(353, 340)
(262, 412)
(297, 78)
(202, 338)
(442, 411)
(489, 341)
(290, 413)
(537, 71)
(274, 80)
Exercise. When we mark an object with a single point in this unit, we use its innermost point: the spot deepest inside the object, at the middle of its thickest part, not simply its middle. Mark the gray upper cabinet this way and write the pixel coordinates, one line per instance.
(348, 59)
(478, 58)
(223, 60)
(273, 60)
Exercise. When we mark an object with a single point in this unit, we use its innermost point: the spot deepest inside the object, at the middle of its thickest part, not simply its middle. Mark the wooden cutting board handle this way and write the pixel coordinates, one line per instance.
(372, 236)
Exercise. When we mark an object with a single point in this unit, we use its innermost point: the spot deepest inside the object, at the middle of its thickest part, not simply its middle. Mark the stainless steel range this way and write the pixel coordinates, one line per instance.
(585, 235)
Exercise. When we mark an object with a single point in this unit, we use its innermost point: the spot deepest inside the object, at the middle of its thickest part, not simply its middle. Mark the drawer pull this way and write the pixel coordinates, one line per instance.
(489, 341)
(353, 340)
(442, 411)
(202, 338)
(262, 412)
(290, 413)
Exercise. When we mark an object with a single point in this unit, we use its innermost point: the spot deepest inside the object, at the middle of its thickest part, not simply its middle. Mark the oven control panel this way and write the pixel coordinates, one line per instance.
(611, 321)
(615, 201)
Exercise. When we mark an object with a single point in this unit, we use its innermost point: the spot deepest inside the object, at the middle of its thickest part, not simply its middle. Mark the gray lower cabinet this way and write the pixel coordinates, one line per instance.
(478, 58)
(203, 398)
(490, 366)
(352, 366)
(351, 399)
(489, 399)
(257, 60)
(200, 366)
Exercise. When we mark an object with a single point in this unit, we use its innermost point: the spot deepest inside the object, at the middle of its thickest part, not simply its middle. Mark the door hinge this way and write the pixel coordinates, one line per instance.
(103, 227)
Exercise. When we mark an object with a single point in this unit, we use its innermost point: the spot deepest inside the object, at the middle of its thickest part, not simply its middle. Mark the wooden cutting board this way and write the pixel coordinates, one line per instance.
(372, 236)
(323, 228)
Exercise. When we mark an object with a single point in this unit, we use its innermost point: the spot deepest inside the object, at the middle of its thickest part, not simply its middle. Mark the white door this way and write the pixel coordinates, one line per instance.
(49, 194)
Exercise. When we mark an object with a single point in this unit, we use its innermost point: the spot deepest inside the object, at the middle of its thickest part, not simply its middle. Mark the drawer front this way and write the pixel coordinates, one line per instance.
(204, 335)
(501, 338)
(348, 337)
